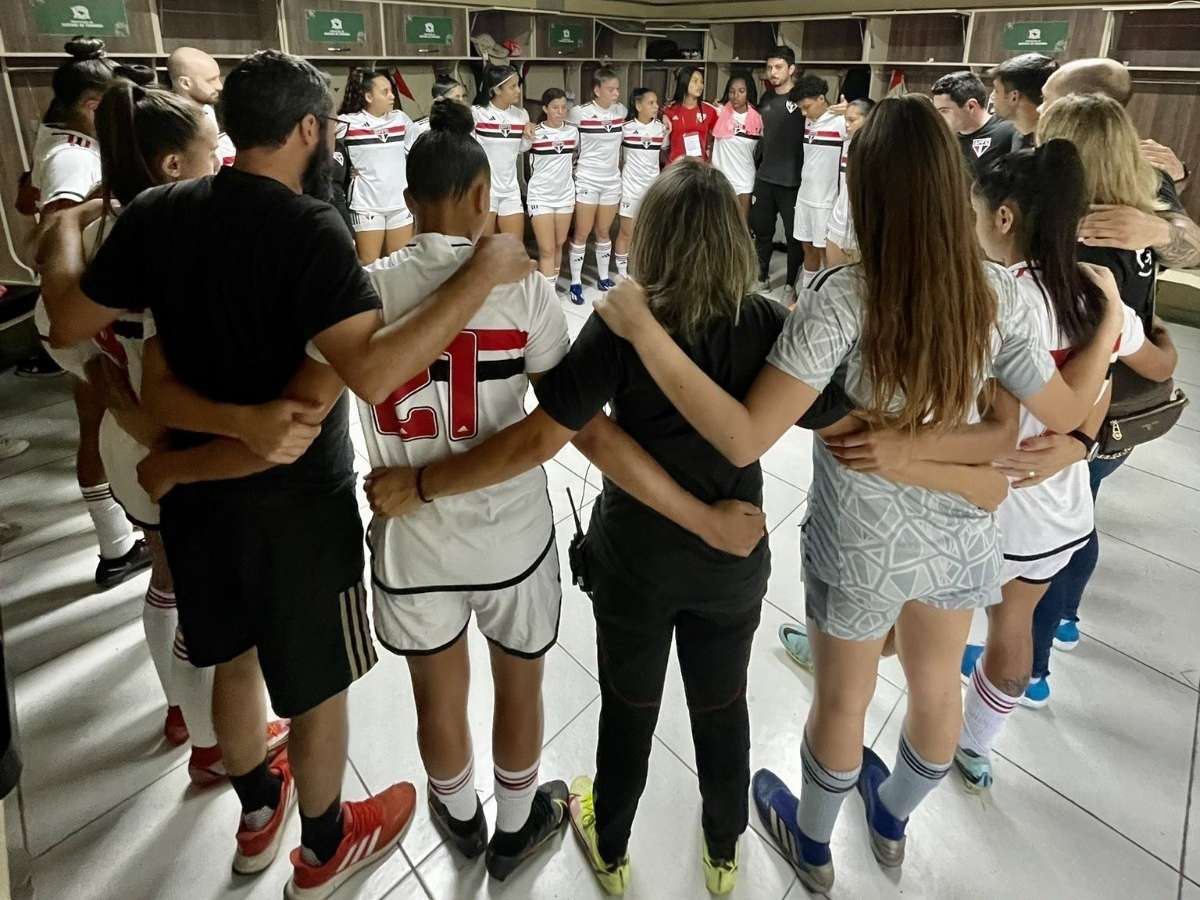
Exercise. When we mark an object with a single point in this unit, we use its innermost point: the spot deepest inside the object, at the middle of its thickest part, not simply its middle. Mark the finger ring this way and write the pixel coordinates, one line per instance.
(1032, 474)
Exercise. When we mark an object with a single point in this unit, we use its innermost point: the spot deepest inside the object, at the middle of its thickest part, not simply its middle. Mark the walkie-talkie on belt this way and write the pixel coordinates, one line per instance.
(575, 553)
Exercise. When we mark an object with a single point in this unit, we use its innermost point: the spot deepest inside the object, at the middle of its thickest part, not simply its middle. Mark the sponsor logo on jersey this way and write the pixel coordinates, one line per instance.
(981, 145)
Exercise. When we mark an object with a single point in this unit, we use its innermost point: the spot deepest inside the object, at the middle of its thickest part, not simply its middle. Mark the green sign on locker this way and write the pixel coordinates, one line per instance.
(428, 29)
(566, 35)
(1036, 37)
(336, 26)
(91, 18)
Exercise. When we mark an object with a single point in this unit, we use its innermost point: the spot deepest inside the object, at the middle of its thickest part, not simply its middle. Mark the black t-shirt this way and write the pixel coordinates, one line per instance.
(240, 273)
(601, 368)
(986, 144)
(341, 183)
(1023, 141)
(781, 150)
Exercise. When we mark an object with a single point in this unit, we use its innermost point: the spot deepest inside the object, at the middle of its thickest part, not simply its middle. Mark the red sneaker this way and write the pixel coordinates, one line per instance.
(175, 730)
(206, 766)
(257, 849)
(371, 829)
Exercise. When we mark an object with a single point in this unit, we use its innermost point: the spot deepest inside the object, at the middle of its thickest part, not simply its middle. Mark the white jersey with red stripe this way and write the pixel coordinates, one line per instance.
(66, 165)
(474, 390)
(552, 159)
(600, 137)
(841, 229)
(500, 133)
(378, 148)
(734, 156)
(641, 147)
(1049, 518)
(226, 152)
(824, 140)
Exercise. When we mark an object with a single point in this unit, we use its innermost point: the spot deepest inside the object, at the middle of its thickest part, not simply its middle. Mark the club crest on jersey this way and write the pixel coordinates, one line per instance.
(558, 146)
(646, 141)
(504, 128)
(981, 145)
(792, 107)
(1145, 260)
(608, 124)
(381, 132)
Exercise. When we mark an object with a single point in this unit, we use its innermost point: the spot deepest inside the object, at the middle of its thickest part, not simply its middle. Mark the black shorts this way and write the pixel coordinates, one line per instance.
(282, 574)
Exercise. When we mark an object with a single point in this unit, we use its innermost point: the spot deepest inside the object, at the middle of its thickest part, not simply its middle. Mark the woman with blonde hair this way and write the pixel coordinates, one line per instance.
(1115, 174)
(879, 553)
(651, 581)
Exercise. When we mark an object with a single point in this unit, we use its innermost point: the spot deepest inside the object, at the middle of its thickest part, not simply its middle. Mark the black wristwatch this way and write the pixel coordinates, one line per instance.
(1187, 173)
(1090, 445)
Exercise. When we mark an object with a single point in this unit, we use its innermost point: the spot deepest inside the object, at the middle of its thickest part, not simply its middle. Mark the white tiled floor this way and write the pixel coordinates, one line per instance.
(1092, 796)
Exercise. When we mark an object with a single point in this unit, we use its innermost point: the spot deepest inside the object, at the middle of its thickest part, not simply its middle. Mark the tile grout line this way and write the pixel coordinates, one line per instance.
(1187, 813)
(41, 465)
(1173, 562)
(36, 409)
(1140, 662)
(1164, 478)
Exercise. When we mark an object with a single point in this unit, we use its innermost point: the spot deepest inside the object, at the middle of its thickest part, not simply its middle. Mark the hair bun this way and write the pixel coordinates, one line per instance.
(81, 47)
(452, 117)
(142, 76)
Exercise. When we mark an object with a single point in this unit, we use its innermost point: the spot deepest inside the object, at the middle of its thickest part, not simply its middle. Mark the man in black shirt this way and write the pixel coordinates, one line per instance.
(241, 270)
(961, 98)
(1017, 89)
(781, 159)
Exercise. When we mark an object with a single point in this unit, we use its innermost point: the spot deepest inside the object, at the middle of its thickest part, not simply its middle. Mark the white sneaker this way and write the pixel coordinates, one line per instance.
(789, 297)
(761, 286)
(10, 447)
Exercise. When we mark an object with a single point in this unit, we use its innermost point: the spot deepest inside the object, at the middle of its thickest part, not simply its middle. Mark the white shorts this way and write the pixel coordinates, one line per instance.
(538, 208)
(812, 223)
(631, 203)
(597, 194)
(840, 231)
(1041, 568)
(520, 618)
(73, 358)
(385, 220)
(507, 206)
(121, 455)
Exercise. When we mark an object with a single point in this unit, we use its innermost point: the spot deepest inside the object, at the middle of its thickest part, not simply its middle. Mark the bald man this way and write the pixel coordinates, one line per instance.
(1173, 235)
(196, 76)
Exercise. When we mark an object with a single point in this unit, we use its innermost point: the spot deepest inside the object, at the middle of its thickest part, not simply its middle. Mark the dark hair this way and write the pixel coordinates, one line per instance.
(549, 97)
(493, 77)
(139, 75)
(444, 85)
(635, 97)
(811, 86)
(751, 87)
(787, 54)
(88, 69)
(446, 161)
(267, 95)
(358, 82)
(961, 87)
(136, 126)
(863, 104)
(683, 79)
(601, 75)
(1025, 74)
(1048, 187)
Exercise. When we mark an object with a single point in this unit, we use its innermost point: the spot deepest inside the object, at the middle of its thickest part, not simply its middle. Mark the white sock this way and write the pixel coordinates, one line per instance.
(603, 255)
(159, 621)
(458, 793)
(986, 710)
(622, 264)
(576, 261)
(113, 531)
(807, 278)
(193, 688)
(514, 796)
(551, 280)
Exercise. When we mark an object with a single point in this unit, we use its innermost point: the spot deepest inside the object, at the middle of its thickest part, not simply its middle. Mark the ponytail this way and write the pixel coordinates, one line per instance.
(88, 69)
(1049, 189)
(136, 127)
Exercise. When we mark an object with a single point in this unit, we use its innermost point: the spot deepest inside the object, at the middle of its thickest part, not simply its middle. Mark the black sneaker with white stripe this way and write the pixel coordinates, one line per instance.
(470, 837)
(547, 816)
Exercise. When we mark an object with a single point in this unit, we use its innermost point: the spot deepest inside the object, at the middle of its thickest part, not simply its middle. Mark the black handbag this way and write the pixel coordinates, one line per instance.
(1141, 410)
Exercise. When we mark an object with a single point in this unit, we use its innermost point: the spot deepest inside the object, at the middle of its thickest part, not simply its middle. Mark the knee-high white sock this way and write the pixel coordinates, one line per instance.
(821, 796)
(603, 255)
(912, 778)
(159, 621)
(114, 534)
(622, 260)
(808, 276)
(194, 689)
(458, 793)
(986, 710)
(514, 796)
(578, 252)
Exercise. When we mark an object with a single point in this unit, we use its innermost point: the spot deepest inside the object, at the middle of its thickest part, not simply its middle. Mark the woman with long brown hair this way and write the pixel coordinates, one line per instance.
(918, 328)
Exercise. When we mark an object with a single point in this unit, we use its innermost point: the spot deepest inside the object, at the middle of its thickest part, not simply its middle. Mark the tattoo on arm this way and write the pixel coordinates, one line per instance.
(1183, 248)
